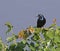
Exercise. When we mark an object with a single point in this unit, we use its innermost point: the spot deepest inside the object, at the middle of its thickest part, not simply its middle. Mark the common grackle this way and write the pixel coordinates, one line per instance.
(40, 21)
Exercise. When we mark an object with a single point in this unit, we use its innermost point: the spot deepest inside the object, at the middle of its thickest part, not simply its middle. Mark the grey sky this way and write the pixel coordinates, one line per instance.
(22, 13)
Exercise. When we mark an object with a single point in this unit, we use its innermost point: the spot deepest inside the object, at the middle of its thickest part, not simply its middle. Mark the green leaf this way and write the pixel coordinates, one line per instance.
(57, 49)
(36, 37)
(50, 34)
(32, 48)
(20, 46)
(12, 47)
(52, 25)
(13, 37)
(56, 39)
(37, 30)
(58, 45)
(57, 32)
(9, 39)
(9, 25)
(24, 41)
(53, 49)
(36, 44)
(46, 49)
(1, 47)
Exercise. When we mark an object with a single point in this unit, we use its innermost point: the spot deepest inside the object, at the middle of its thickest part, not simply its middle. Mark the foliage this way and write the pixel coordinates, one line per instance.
(33, 39)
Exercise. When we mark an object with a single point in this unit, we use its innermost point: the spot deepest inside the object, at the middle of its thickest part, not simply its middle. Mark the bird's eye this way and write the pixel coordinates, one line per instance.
(41, 18)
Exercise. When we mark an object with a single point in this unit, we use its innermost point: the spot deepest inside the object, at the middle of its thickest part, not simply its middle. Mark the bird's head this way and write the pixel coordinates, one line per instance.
(40, 16)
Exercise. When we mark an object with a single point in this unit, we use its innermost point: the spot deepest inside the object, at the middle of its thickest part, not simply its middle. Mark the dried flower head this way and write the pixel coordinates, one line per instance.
(54, 20)
(31, 29)
(21, 34)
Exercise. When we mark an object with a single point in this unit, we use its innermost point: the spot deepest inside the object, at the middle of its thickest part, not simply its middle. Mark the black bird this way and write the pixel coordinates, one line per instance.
(40, 21)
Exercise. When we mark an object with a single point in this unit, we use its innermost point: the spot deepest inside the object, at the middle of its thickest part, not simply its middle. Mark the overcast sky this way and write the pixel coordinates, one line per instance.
(22, 13)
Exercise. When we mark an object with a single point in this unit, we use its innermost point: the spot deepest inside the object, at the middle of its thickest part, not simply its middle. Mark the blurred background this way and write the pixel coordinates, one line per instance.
(22, 13)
